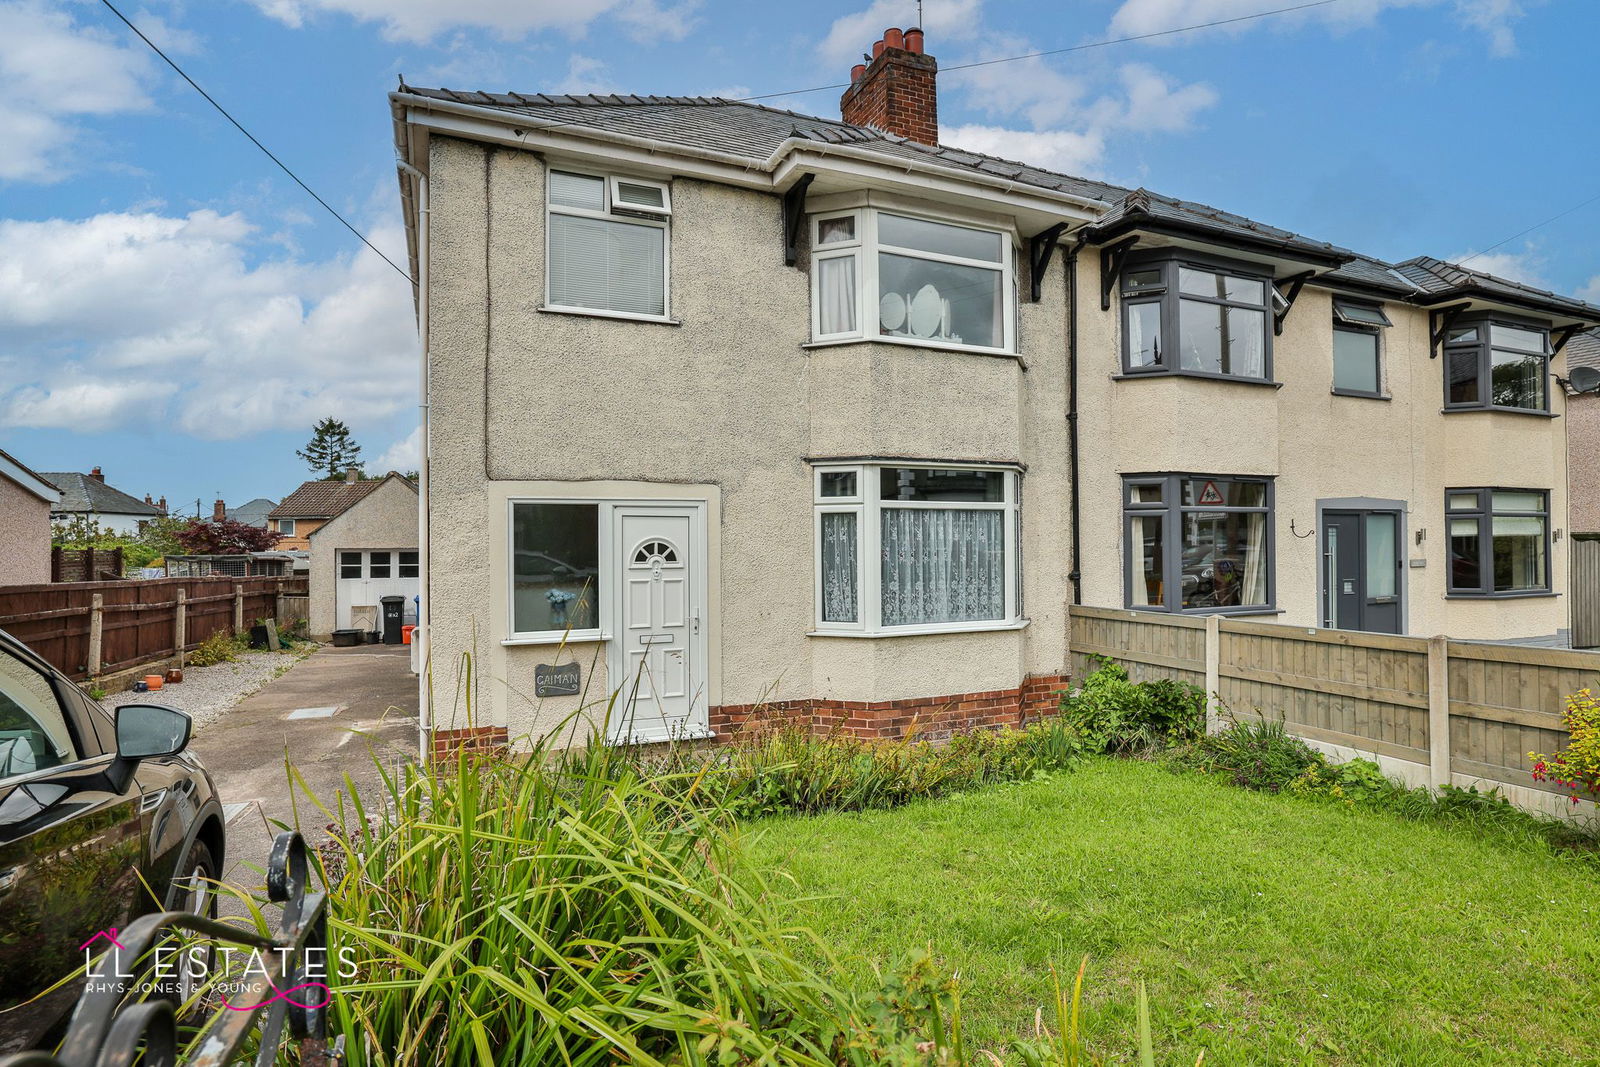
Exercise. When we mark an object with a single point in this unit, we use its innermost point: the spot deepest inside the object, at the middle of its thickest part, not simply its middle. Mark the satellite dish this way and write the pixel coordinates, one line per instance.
(1584, 379)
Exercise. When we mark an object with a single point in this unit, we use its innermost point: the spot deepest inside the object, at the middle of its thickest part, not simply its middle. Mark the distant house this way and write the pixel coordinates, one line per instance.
(89, 495)
(1583, 438)
(363, 554)
(253, 513)
(312, 505)
(26, 500)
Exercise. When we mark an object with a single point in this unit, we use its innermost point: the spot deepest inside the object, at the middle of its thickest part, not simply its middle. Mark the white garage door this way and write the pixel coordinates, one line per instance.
(368, 575)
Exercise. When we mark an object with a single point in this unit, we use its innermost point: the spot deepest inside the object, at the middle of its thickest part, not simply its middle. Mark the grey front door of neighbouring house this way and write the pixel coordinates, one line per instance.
(1362, 571)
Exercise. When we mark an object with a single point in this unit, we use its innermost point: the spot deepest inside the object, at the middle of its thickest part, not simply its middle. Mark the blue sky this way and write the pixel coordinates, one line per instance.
(175, 311)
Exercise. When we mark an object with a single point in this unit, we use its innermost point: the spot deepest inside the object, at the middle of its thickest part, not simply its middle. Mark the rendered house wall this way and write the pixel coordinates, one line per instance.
(1583, 449)
(24, 536)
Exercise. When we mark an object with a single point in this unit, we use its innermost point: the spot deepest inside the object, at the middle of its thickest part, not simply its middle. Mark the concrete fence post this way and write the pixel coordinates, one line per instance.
(1439, 710)
(238, 609)
(1213, 673)
(180, 625)
(278, 609)
(97, 613)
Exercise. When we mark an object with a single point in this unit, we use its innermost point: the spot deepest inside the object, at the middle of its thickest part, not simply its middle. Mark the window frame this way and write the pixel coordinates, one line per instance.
(865, 249)
(601, 631)
(868, 507)
(631, 215)
(1485, 514)
(84, 746)
(1172, 509)
(1344, 323)
(360, 564)
(1169, 297)
(286, 527)
(1484, 347)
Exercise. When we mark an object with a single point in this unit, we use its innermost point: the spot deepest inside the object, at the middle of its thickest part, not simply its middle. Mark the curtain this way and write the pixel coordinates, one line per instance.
(836, 295)
(839, 567)
(1255, 560)
(598, 263)
(942, 565)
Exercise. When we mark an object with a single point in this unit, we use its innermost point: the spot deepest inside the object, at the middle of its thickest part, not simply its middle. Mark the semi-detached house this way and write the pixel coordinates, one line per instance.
(735, 407)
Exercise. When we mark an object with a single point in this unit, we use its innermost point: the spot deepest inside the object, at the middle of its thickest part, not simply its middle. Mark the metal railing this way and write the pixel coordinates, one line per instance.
(109, 1030)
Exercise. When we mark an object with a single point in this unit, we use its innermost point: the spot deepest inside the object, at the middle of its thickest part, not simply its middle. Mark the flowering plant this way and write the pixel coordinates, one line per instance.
(1576, 767)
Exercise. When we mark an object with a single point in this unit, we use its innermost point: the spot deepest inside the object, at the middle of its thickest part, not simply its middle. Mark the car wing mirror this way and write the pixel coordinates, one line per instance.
(145, 731)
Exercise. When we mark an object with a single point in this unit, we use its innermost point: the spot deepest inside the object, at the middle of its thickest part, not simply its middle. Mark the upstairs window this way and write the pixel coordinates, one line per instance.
(883, 276)
(1497, 364)
(1357, 346)
(1499, 541)
(607, 245)
(286, 527)
(1203, 318)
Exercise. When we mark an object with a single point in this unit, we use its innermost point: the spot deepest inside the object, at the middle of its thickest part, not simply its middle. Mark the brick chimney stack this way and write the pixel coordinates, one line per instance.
(219, 511)
(895, 92)
(97, 476)
(352, 475)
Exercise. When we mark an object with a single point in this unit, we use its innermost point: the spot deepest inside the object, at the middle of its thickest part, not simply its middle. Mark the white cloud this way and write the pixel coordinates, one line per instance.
(1590, 290)
(1493, 18)
(404, 455)
(1526, 266)
(1060, 150)
(56, 70)
(420, 21)
(127, 319)
(851, 35)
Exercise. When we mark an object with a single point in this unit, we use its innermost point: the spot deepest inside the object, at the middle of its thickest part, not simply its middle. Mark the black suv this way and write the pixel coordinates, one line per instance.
(102, 820)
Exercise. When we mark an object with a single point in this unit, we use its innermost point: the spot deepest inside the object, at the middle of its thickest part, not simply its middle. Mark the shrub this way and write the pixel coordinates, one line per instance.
(1257, 754)
(1112, 714)
(1576, 767)
(220, 647)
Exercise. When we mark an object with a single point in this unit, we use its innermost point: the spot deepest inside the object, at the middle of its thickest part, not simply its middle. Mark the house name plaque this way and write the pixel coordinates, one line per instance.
(557, 680)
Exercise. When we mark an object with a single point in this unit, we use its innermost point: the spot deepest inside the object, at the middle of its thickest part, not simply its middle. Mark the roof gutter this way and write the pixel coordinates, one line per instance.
(1141, 223)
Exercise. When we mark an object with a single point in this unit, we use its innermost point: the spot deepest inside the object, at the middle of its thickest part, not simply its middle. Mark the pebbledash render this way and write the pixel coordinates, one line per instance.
(737, 409)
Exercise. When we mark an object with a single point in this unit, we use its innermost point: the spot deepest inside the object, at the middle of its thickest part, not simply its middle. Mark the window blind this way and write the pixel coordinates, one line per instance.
(600, 263)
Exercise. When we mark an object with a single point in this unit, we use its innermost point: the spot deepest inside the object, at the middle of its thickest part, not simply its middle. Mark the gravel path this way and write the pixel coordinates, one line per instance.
(207, 692)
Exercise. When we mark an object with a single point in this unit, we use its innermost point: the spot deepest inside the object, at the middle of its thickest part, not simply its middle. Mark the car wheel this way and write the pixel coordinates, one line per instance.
(195, 892)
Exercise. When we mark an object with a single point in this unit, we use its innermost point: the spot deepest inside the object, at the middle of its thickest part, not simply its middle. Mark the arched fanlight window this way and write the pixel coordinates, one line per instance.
(658, 550)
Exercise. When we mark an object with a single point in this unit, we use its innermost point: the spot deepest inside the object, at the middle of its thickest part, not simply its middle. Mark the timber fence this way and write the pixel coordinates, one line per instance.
(1434, 710)
(89, 629)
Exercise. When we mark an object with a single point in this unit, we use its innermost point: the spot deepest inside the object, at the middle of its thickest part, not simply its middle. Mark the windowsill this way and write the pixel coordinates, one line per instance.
(1360, 395)
(1132, 376)
(1526, 412)
(1202, 612)
(926, 631)
(1543, 594)
(601, 313)
(910, 342)
(577, 637)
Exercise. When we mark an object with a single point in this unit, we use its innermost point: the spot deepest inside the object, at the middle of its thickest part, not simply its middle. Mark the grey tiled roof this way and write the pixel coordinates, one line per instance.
(755, 132)
(253, 512)
(83, 493)
(1584, 350)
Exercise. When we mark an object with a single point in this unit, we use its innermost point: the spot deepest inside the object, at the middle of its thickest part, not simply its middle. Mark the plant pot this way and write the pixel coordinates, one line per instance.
(174, 675)
(258, 637)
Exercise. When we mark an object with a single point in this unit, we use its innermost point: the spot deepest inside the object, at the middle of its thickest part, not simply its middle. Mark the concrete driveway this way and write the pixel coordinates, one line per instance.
(332, 713)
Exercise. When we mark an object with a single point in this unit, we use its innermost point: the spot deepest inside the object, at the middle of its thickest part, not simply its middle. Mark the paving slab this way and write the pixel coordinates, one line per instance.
(365, 700)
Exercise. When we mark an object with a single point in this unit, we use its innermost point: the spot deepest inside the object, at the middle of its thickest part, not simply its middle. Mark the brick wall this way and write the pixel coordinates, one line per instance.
(898, 94)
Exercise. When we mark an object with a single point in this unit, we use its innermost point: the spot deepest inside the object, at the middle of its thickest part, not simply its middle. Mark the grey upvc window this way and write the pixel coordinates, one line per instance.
(1197, 543)
(1495, 363)
(1193, 315)
(1499, 542)
(1358, 348)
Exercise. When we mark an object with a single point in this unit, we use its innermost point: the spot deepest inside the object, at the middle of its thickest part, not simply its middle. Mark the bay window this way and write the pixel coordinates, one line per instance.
(1499, 541)
(1197, 543)
(914, 548)
(555, 569)
(606, 245)
(1490, 363)
(884, 276)
(1196, 316)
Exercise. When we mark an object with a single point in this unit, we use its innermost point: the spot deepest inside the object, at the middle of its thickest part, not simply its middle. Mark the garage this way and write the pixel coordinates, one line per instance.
(363, 554)
(366, 576)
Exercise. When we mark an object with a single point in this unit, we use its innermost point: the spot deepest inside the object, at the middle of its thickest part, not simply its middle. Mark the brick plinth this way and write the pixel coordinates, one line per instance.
(936, 716)
(487, 740)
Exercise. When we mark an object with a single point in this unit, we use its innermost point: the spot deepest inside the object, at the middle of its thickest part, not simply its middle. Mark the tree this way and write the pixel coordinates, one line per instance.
(331, 450)
(229, 537)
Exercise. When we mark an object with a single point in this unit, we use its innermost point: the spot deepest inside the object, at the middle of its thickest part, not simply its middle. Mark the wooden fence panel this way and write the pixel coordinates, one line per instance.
(1585, 588)
(1149, 644)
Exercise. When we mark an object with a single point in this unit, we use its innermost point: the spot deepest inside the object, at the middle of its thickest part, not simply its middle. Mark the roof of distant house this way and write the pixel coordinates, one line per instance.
(322, 499)
(253, 512)
(34, 482)
(90, 495)
(755, 134)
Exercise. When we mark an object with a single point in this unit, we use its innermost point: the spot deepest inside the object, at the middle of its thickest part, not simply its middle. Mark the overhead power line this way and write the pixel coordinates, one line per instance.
(1530, 229)
(265, 150)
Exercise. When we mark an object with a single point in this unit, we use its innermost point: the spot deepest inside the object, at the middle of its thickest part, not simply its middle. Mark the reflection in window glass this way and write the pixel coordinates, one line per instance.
(1511, 337)
(1463, 375)
(555, 567)
(1355, 361)
(920, 235)
(1382, 573)
(408, 565)
(1224, 559)
(1144, 334)
(33, 728)
(349, 564)
(379, 567)
(1504, 549)
(1221, 558)
(1145, 562)
(1465, 555)
(938, 484)
(838, 483)
(1517, 380)
(1519, 555)
(940, 301)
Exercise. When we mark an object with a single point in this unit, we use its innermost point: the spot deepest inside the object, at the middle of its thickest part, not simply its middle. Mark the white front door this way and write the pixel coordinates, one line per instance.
(660, 646)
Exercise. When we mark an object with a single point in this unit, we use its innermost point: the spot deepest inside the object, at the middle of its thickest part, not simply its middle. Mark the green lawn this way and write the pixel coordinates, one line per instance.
(1269, 929)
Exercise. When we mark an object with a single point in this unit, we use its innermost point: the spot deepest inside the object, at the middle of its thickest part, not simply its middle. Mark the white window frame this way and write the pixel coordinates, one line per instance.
(621, 207)
(602, 630)
(865, 249)
(631, 215)
(286, 527)
(868, 508)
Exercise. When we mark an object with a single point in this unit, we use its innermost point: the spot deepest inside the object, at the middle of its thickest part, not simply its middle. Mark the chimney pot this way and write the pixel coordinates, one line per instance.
(897, 92)
(96, 475)
(914, 40)
(858, 72)
(893, 38)
(162, 504)
(877, 49)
